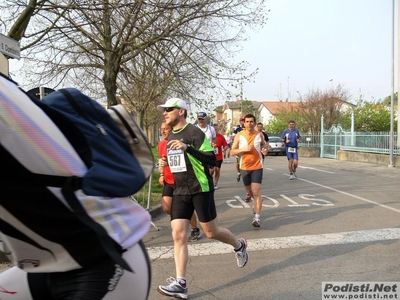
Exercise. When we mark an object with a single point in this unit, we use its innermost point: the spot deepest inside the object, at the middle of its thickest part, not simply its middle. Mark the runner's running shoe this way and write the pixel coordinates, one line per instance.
(194, 235)
(238, 177)
(256, 222)
(241, 255)
(174, 289)
(248, 198)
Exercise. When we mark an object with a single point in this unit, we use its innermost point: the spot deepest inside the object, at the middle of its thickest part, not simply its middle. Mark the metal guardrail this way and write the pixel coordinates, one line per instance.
(370, 150)
(370, 142)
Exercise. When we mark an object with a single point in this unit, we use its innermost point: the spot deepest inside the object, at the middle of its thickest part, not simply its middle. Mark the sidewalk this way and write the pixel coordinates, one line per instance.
(357, 167)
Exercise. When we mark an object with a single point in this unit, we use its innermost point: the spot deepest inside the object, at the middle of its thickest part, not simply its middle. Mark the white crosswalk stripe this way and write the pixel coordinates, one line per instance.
(350, 237)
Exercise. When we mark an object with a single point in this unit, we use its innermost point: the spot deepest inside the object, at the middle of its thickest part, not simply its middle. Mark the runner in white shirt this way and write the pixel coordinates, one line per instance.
(208, 130)
(227, 154)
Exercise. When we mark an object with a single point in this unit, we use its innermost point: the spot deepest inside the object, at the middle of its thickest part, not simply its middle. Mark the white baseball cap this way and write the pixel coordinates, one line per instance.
(173, 102)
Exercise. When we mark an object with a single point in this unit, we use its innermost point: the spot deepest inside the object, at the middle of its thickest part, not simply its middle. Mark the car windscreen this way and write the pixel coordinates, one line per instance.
(274, 139)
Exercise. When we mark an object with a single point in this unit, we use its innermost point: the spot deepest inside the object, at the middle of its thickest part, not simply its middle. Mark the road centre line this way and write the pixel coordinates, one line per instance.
(302, 167)
(351, 195)
(340, 238)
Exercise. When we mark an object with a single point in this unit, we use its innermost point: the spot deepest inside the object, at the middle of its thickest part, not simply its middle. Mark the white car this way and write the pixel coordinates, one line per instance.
(276, 146)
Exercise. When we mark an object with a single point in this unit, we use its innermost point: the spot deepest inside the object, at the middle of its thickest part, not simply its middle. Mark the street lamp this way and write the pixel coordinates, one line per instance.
(300, 97)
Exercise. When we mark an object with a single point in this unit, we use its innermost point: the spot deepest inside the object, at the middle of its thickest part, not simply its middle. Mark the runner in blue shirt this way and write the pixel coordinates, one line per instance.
(291, 137)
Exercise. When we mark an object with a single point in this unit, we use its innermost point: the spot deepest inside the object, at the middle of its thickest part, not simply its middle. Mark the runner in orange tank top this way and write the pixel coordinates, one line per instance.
(249, 144)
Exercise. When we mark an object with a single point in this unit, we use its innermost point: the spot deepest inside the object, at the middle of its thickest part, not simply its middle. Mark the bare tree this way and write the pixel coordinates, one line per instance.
(85, 43)
(21, 23)
(330, 104)
(309, 108)
(160, 71)
(143, 85)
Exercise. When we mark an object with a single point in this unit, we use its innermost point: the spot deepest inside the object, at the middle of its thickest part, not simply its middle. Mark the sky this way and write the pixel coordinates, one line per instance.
(319, 44)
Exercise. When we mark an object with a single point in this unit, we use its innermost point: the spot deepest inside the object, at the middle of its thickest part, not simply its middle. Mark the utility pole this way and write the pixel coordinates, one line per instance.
(398, 69)
(391, 137)
(3, 64)
(241, 94)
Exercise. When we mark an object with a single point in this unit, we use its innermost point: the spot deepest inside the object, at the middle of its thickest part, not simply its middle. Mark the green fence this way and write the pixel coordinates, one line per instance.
(336, 139)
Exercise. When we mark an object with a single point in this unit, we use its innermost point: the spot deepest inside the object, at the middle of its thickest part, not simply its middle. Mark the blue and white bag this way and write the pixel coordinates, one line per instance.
(66, 171)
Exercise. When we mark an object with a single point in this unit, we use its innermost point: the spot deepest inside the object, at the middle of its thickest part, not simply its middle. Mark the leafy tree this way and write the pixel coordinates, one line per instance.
(275, 125)
(388, 99)
(369, 117)
(248, 107)
(280, 121)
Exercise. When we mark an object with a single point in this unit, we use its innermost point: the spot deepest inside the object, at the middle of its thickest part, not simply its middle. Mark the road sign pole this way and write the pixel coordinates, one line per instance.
(3, 65)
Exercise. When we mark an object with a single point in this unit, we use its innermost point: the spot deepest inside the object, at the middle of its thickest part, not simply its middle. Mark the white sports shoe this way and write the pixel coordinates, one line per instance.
(256, 222)
(291, 177)
(241, 255)
(174, 289)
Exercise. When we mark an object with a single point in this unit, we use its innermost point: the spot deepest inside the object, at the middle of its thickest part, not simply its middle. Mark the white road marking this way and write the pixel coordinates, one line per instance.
(351, 195)
(302, 167)
(294, 203)
(244, 204)
(340, 238)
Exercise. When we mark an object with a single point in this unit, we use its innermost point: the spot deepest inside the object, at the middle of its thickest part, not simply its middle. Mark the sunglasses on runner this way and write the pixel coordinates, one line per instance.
(169, 109)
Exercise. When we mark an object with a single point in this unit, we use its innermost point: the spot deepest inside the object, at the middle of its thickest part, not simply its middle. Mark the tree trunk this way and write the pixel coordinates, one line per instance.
(111, 69)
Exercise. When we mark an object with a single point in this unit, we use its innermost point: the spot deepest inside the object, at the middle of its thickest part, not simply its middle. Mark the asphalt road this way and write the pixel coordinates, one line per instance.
(338, 222)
